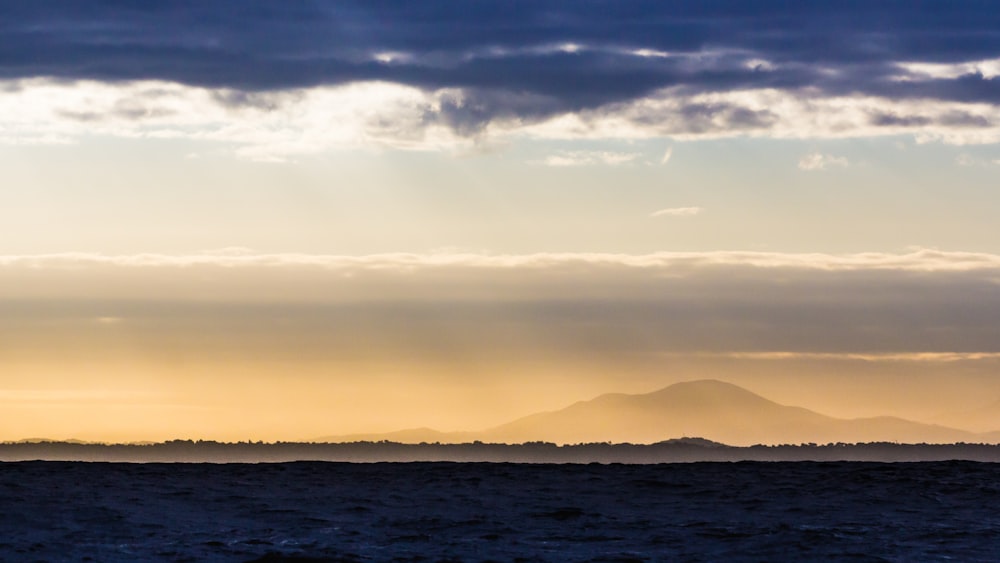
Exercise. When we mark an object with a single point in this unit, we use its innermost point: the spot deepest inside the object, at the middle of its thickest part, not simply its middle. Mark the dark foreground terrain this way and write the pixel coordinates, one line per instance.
(315, 511)
(669, 451)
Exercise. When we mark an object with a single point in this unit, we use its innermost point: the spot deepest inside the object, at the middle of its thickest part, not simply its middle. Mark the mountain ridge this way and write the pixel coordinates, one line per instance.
(715, 410)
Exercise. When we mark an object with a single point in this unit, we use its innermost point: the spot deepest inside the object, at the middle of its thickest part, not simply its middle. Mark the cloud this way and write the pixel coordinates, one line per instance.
(543, 47)
(281, 125)
(583, 158)
(676, 212)
(988, 69)
(524, 63)
(928, 357)
(897, 306)
(268, 127)
(917, 260)
(667, 155)
(966, 160)
(817, 161)
(237, 277)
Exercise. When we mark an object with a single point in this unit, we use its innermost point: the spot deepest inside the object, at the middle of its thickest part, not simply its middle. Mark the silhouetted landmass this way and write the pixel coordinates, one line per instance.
(983, 419)
(670, 451)
(714, 409)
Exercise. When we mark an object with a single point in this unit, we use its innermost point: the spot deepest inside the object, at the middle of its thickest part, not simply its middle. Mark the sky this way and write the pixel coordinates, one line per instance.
(257, 220)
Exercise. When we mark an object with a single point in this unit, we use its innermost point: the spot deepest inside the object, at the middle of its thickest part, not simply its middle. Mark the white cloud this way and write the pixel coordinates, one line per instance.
(649, 53)
(770, 113)
(917, 260)
(940, 357)
(270, 127)
(667, 155)
(229, 251)
(280, 125)
(759, 65)
(989, 68)
(390, 57)
(817, 161)
(676, 212)
(965, 160)
(584, 158)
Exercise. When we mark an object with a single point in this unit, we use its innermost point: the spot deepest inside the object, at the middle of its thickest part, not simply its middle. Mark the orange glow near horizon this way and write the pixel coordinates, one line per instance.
(259, 349)
(306, 402)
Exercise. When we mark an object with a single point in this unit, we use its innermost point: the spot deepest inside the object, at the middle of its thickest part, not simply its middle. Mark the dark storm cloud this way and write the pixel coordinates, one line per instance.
(894, 120)
(952, 119)
(702, 118)
(525, 59)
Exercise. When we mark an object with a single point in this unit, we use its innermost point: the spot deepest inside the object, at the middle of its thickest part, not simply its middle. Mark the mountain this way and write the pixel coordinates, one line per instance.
(982, 419)
(714, 410)
(711, 409)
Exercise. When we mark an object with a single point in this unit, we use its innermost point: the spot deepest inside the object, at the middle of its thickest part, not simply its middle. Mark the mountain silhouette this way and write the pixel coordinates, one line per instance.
(711, 409)
(983, 419)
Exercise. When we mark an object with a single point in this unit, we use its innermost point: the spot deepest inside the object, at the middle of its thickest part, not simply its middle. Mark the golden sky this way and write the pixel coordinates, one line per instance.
(248, 346)
(309, 219)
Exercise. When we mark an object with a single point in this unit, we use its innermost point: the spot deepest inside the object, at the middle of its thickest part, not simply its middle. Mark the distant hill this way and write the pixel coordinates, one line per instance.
(982, 419)
(712, 409)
